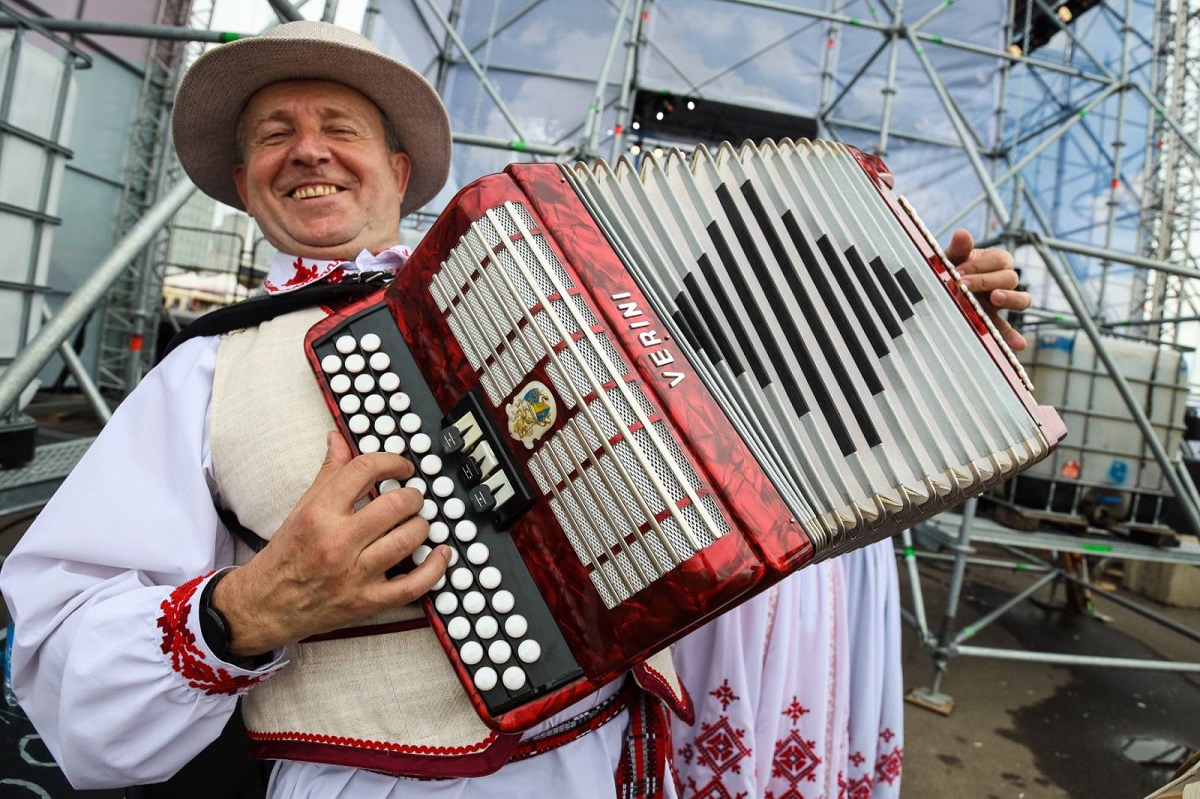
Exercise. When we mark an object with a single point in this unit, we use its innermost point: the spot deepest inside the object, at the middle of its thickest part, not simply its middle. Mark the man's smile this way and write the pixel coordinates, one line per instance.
(318, 190)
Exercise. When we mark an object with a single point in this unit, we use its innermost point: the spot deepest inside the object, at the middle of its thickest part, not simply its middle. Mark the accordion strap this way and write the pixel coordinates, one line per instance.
(647, 748)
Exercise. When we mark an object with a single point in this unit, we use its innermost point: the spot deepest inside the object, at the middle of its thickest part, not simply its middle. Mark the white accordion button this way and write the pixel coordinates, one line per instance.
(394, 445)
(440, 584)
(359, 424)
(438, 533)
(473, 603)
(389, 382)
(331, 363)
(431, 465)
(420, 443)
(516, 626)
(399, 402)
(429, 510)
(385, 425)
(446, 603)
(461, 579)
(478, 553)
(529, 651)
(471, 652)
(345, 344)
(514, 678)
(340, 384)
(370, 342)
(388, 485)
(410, 423)
(355, 363)
(489, 578)
(379, 361)
(364, 383)
(417, 483)
(374, 404)
(349, 403)
(368, 445)
(419, 555)
(453, 556)
(454, 508)
(458, 628)
(487, 627)
(485, 678)
(465, 530)
(499, 651)
(443, 487)
(503, 601)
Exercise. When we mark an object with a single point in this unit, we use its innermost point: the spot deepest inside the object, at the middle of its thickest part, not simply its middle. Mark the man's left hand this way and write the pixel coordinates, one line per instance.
(990, 276)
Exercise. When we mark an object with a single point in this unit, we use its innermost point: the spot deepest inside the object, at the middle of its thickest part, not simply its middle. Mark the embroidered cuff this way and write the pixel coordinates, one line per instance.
(190, 655)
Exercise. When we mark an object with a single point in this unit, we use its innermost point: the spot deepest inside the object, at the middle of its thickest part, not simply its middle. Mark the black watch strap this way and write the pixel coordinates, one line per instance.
(215, 629)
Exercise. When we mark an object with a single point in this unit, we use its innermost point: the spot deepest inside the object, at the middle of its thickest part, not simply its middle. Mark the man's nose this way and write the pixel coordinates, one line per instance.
(309, 148)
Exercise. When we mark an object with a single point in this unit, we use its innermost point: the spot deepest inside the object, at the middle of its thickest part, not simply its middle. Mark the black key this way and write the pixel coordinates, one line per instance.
(470, 471)
(452, 440)
(481, 499)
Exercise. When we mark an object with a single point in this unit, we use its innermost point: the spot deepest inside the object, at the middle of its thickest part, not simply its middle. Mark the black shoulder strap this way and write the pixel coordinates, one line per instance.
(263, 308)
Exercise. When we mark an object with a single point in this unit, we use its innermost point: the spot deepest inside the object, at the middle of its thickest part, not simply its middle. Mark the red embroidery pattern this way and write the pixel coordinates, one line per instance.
(795, 711)
(887, 735)
(187, 658)
(859, 788)
(724, 694)
(857, 759)
(887, 769)
(304, 274)
(795, 758)
(380, 745)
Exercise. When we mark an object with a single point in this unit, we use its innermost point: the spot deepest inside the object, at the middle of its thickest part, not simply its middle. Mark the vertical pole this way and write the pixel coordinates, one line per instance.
(1118, 150)
(591, 128)
(633, 45)
(444, 58)
(889, 86)
(372, 13)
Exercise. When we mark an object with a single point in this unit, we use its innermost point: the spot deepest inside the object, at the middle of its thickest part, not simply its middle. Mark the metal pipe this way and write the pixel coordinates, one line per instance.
(624, 111)
(591, 127)
(443, 59)
(162, 32)
(962, 548)
(76, 307)
(369, 17)
(79, 372)
(971, 630)
(512, 144)
(824, 110)
(1075, 660)
(889, 86)
(1129, 604)
(285, 11)
(330, 10)
(1125, 258)
(991, 563)
(914, 582)
(1118, 147)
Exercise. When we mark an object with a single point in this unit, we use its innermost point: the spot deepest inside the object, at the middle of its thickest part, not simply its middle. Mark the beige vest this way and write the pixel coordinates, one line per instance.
(393, 696)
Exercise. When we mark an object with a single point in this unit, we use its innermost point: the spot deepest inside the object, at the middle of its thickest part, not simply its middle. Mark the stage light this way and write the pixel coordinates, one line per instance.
(1065, 14)
(691, 106)
(637, 125)
(1015, 50)
(659, 116)
(658, 152)
(634, 150)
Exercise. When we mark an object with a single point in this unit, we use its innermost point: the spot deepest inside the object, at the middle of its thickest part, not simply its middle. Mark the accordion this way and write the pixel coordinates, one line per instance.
(636, 398)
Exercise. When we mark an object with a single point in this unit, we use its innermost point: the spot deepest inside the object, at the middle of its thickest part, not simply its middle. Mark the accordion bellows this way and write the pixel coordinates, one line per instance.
(667, 389)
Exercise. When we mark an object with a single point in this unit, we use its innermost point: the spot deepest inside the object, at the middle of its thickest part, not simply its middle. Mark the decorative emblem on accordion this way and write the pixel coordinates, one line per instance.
(841, 387)
(531, 414)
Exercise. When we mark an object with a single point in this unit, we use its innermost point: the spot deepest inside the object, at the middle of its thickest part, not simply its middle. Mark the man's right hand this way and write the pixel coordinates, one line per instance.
(325, 566)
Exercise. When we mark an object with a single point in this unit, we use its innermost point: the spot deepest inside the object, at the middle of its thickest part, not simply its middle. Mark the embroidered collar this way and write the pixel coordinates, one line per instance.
(290, 272)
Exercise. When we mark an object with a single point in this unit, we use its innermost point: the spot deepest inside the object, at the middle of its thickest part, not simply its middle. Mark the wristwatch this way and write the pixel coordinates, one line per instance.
(214, 626)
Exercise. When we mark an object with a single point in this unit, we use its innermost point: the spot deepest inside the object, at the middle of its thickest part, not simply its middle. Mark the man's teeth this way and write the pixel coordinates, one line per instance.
(304, 192)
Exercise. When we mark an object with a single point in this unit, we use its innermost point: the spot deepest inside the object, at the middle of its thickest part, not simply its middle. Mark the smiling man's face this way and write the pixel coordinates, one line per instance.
(317, 173)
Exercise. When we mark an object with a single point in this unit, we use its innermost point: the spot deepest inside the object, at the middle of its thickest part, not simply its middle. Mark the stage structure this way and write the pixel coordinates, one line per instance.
(1065, 130)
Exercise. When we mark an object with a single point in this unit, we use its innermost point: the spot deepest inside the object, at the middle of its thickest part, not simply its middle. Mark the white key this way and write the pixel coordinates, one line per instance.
(389, 382)
(355, 363)
(380, 361)
(417, 483)
(364, 383)
(389, 485)
(440, 584)
(443, 487)
(420, 443)
(369, 342)
(369, 444)
(478, 553)
(486, 628)
(340, 384)
(529, 651)
(359, 424)
(439, 532)
(465, 530)
(458, 628)
(431, 465)
(499, 651)
(516, 626)
(446, 603)
(345, 344)
(514, 678)
(474, 603)
(331, 363)
(471, 652)
(485, 678)
(454, 508)
(429, 510)
(420, 554)
(349, 403)
(503, 601)
(385, 425)
(461, 579)
(374, 404)
(410, 423)
(453, 556)
(394, 445)
(489, 578)
(399, 402)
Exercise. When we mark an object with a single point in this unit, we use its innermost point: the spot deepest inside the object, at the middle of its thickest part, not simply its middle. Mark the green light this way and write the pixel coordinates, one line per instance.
(517, 145)
(908, 552)
(229, 36)
(1096, 547)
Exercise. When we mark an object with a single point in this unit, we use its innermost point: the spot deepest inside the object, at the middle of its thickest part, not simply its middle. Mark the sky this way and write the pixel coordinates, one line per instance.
(250, 16)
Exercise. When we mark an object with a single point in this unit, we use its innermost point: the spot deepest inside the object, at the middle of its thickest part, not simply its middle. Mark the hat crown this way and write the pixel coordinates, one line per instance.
(319, 31)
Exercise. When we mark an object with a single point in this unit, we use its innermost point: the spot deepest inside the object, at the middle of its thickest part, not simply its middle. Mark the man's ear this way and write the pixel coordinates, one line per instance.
(402, 169)
(239, 182)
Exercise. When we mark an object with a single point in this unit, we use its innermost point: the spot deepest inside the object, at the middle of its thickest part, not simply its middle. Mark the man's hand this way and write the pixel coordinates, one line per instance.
(989, 274)
(325, 566)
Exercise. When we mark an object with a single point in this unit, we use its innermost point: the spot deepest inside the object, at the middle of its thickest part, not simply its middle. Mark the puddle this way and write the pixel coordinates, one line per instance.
(1154, 751)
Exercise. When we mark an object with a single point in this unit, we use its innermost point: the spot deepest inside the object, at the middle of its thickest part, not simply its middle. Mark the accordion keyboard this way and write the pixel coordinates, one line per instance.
(489, 608)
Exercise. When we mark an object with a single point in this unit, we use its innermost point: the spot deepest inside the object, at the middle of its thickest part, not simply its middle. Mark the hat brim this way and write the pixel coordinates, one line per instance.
(214, 92)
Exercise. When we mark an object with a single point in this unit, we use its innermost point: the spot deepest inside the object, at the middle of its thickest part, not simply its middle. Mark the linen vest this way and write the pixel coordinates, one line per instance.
(384, 696)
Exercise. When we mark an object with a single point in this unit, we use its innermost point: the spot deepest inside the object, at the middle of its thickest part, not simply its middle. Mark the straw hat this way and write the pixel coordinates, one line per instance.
(214, 92)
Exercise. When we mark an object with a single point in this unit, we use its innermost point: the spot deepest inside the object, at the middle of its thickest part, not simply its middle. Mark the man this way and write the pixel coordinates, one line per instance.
(139, 625)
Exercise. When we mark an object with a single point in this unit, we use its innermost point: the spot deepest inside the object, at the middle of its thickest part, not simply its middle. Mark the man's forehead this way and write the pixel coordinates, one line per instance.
(329, 99)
